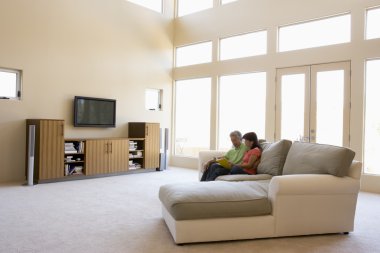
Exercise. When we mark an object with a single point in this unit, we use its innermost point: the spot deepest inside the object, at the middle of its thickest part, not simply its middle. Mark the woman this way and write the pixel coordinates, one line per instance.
(251, 158)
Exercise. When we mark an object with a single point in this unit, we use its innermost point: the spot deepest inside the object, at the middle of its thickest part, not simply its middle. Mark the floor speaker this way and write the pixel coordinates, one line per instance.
(164, 146)
(31, 150)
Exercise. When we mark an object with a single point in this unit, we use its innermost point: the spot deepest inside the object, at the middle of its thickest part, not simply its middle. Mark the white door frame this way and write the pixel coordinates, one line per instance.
(310, 72)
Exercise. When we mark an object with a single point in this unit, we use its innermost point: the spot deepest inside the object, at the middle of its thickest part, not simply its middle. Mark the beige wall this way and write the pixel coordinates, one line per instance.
(100, 48)
(251, 15)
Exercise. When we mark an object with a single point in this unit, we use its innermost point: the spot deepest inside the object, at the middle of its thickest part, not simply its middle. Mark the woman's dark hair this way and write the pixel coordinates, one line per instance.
(251, 136)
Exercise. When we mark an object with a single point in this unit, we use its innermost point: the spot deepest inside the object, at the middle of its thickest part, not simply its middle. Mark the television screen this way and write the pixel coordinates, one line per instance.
(94, 112)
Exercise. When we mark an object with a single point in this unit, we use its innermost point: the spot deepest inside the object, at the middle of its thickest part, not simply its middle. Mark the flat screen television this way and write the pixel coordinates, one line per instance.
(94, 112)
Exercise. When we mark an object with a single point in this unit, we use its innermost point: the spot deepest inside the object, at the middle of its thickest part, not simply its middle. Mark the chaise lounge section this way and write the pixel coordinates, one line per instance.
(312, 189)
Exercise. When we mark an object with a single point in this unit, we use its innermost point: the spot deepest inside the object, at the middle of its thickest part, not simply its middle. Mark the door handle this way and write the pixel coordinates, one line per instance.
(147, 131)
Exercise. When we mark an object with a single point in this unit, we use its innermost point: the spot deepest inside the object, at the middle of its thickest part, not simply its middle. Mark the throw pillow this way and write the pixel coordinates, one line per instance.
(273, 157)
(313, 158)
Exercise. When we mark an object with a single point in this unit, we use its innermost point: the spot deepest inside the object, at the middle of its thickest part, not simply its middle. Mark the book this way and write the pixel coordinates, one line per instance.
(224, 163)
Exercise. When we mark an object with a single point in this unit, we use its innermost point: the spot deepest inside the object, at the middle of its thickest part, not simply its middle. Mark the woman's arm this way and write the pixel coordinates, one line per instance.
(251, 162)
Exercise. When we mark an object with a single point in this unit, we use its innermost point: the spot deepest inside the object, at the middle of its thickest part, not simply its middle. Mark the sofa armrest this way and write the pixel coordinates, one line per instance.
(313, 204)
(355, 170)
(205, 156)
(312, 184)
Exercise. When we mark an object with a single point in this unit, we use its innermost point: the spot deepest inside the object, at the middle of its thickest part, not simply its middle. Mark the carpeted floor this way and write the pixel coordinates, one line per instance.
(123, 214)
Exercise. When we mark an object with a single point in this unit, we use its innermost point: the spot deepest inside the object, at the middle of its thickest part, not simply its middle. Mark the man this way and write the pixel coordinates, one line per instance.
(212, 169)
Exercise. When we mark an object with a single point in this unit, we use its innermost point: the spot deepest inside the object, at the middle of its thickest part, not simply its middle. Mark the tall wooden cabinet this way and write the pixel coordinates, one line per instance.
(105, 156)
(151, 134)
(49, 148)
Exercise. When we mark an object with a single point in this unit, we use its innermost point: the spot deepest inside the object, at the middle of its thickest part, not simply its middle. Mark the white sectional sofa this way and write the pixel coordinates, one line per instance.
(312, 189)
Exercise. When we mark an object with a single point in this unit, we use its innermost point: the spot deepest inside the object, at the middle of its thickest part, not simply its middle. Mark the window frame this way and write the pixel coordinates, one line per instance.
(144, 6)
(365, 91)
(18, 83)
(174, 113)
(237, 35)
(309, 21)
(180, 16)
(221, 2)
(193, 44)
(366, 22)
(218, 94)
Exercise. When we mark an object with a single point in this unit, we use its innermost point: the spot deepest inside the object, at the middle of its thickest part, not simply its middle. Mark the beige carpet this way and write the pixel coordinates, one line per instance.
(122, 214)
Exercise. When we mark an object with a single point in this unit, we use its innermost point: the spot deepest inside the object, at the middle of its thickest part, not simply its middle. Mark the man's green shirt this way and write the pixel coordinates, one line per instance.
(235, 155)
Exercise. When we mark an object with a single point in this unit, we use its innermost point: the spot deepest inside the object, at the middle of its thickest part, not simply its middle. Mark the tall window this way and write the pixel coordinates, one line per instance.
(372, 118)
(192, 116)
(245, 45)
(10, 83)
(194, 54)
(155, 5)
(323, 32)
(373, 21)
(242, 100)
(186, 7)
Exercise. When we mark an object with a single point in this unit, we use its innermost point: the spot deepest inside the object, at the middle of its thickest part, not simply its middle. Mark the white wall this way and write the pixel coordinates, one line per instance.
(251, 15)
(111, 49)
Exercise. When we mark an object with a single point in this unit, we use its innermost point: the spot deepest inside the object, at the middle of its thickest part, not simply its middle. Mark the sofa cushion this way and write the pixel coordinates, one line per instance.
(273, 157)
(313, 158)
(241, 177)
(217, 199)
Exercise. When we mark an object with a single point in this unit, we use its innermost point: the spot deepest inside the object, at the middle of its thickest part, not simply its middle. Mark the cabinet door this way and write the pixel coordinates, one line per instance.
(51, 149)
(152, 146)
(97, 153)
(118, 155)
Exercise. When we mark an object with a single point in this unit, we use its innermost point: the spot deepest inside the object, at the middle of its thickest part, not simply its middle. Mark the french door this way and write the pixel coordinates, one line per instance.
(313, 103)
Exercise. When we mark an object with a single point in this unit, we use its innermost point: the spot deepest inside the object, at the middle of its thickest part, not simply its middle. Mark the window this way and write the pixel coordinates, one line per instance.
(372, 118)
(155, 5)
(10, 84)
(186, 7)
(153, 99)
(227, 1)
(243, 45)
(192, 116)
(373, 21)
(323, 32)
(194, 54)
(242, 102)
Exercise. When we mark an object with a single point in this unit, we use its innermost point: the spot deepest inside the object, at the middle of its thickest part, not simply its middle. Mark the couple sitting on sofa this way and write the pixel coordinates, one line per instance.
(243, 158)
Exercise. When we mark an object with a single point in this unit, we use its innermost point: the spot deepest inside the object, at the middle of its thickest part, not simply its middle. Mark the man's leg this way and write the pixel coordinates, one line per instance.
(216, 170)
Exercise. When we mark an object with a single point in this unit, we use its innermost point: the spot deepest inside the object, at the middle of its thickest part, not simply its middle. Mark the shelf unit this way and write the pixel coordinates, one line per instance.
(75, 158)
(136, 153)
(150, 132)
(54, 157)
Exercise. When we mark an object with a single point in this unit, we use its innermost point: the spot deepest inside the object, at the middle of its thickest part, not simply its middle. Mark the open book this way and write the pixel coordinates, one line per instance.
(224, 163)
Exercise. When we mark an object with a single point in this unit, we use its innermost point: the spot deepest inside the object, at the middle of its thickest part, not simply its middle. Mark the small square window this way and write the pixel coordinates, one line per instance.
(153, 99)
(10, 84)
